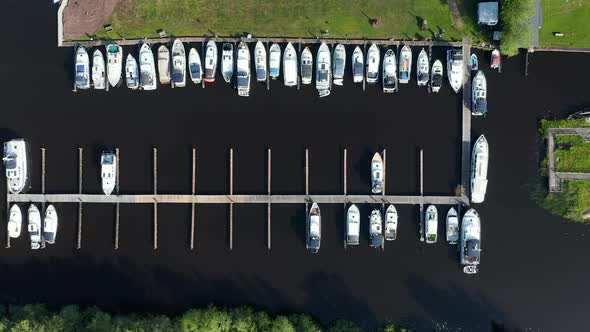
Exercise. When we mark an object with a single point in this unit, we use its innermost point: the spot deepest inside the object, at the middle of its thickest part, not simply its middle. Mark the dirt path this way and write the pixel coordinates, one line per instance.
(86, 16)
(456, 15)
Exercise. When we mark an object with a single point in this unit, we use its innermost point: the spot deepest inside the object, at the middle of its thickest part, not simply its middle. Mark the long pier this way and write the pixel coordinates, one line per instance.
(466, 120)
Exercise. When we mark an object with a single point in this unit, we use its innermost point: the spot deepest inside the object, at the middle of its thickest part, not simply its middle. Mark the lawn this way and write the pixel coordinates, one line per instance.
(570, 17)
(572, 154)
(572, 202)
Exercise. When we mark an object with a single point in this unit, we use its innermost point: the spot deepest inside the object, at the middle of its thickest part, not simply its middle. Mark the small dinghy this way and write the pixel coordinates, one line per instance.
(479, 169)
(164, 64)
(375, 229)
(376, 174)
(473, 62)
(114, 63)
(423, 69)
(227, 61)
(314, 229)
(495, 61)
(373, 64)
(260, 61)
(108, 171)
(323, 75)
(306, 66)
(131, 74)
(147, 68)
(405, 64)
(82, 69)
(50, 224)
(274, 60)
(479, 105)
(431, 224)
(389, 72)
(15, 221)
(470, 241)
(16, 161)
(178, 64)
(452, 226)
(290, 66)
(243, 70)
(210, 62)
(357, 65)
(436, 78)
(34, 226)
(391, 223)
(98, 70)
(194, 66)
(455, 68)
(339, 64)
(353, 226)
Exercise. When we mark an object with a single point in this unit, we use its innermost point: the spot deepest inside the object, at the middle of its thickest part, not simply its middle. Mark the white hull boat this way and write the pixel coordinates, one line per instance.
(455, 69)
(479, 105)
(470, 241)
(436, 78)
(164, 64)
(210, 62)
(473, 63)
(98, 70)
(391, 223)
(34, 226)
(15, 222)
(389, 72)
(353, 226)
(358, 63)
(423, 68)
(16, 164)
(405, 65)
(114, 64)
(373, 64)
(260, 62)
(147, 68)
(377, 174)
(227, 61)
(431, 224)
(290, 66)
(50, 224)
(108, 171)
(274, 61)
(495, 60)
(339, 64)
(375, 229)
(243, 70)
(195, 68)
(479, 170)
(452, 226)
(314, 229)
(306, 66)
(131, 73)
(178, 64)
(323, 74)
(82, 69)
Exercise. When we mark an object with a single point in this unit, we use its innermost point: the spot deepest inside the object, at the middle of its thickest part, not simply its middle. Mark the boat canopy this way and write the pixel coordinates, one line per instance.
(404, 75)
(195, 69)
(306, 70)
(242, 81)
(472, 251)
(177, 76)
(376, 240)
(437, 80)
(423, 77)
(260, 72)
(108, 158)
(389, 82)
(358, 68)
(10, 163)
(481, 106)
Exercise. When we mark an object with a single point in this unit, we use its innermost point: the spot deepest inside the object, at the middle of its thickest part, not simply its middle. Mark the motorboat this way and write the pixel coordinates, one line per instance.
(306, 66)
(495, 60)
(479, 104)
(274, 60)
(452, 226)
(164, 64)
(423, 69)
(431, 224)
(390, 223)
(131, 73)
(195, 68)
(375, 229)
(50, 224)
(470, 241)
(15, 221)
(373, 64)
(290, 66)
(473, 64)
(314, 229)
(260, 61)
(455, 68)
(108, 171)
(436, 76)
(147, 68)
(82, 69)
(389, 72)
(353, 226)
(479, 170)
(114, 63)
(405, 64)
(227, 61)
(323, 74)
(358, 64)
(16, 162)
(243, 70)
(99, 79)
(178, 64)
(377, 173)
(210, 62)
(34, 226)
(339, 64)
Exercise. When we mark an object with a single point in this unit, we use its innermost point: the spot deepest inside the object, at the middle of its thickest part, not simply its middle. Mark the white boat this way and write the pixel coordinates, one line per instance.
(147, 68)
(339, 64)
(178, 64)
(452, 226)
(114, 63)
(306, 66)
(210, 62)
(495, 60)
(98, 70)
(260, 61)
(389, 72)
(375, 229)
(164, 64)
(405, 64)
(373, 64)
(391, 223)
(479, 170)
(227, 61)
(82, 69)
(274, 60)
(455, 68)
(473, 63)
(108, 171)
(16, 164)
(34, 226)
(243, 70)
(436, 78)
(353, 226)
(377, 173)
(470, 241)
(290, 66)
(15, 222)
(479, 105)
(314, 229)
(423, 69)
(323, 74)
(195, 68)
(358, 64)
(131, 73)
(50, 224)
(431, 224)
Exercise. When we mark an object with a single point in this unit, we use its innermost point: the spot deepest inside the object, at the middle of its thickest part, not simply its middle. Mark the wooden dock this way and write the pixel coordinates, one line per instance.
(466, 121)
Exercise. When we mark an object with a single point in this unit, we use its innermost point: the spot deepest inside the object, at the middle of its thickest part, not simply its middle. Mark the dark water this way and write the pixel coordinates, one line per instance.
(534, 272)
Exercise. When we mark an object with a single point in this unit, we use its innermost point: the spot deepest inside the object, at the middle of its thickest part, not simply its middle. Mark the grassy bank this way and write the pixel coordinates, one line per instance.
(568, 17)
(571, 203)
(572, 154)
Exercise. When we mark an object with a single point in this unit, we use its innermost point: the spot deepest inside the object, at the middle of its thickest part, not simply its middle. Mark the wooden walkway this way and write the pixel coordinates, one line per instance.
(466, 121)
(556, 178)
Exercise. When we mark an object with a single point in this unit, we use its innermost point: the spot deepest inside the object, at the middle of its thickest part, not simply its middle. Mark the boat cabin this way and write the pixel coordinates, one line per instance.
(471, 251)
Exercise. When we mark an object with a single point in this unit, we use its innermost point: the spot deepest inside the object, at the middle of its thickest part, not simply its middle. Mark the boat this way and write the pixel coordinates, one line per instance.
(377, 173)
(34, 226)
(470, 241)
(274, 60)
(227, 61)
(423, 69)
(131, 73)
(164, 64)
(431, 224)
(455, 68)
(82, 69)
(290, 66)
(389, 72)
(436, 76)
(479, 170)
(495, 60)
(114, 63)
(479, 105)
(473, 62)
(108, 171)
(99, 79)
(147, 68)
(243, 70)
(452, 226)
(314, 229)
(260, 61)
(339, 64)
(323, 74)
(16, 164)
(210, 62)
(353, 226)
(195, 68)
(306, 66)
(405, 64)
(390, 223)
(358, 64)
(375, 229)
(178, 64)
(15, 221)
(50, 224)
(373, 64)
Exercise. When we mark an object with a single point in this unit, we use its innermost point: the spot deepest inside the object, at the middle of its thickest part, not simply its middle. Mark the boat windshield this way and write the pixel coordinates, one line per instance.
(80, 69)
(195, 69)
(10, 163)
(242, 81)
(437, 80)
(472, 251)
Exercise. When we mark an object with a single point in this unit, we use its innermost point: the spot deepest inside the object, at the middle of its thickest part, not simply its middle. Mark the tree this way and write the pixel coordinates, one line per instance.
(282, 324)
(95, 320)
(304, 323)
(344, 326)
(517, 31)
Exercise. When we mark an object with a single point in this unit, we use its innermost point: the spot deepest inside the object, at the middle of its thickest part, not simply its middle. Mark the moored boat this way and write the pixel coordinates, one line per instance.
(210, 62)
(290, 66)
(98, 70)
(423, 68)
(431, 224)
(375, 229)
(452, 226)
(114, 63)
(16, 164)
(243, 70)
(314, 229)
(15, 221)
(147, 68)
(195, 68)
(436, 79)
(358, 64)
(34, 226)
(479, 104)
(323, 74)
(108, 171)
(391, 223)
(389, 72)
(260, 61)
(50, 224)
(82, 69)
(306, 66)
(495, 60)
(473, 63)
(339, 64)
(377, 173)
(470, 241)
(405, 64)
(131, 73)
(227, 61)
(164, 64)
(479, 170)
(353, 225)
(274, 60)
(178, 64)
(455, 68)
(372, 70)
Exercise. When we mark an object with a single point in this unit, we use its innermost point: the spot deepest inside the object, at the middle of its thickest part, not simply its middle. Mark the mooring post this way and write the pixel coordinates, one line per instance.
(117, 207)
(43, 191)
(231, 204)
(268, 167)
(80, 153)
(193, 191)
(155, 201)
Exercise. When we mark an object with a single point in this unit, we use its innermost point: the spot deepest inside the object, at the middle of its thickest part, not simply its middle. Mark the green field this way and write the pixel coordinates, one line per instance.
(572, 154)
(570, 17)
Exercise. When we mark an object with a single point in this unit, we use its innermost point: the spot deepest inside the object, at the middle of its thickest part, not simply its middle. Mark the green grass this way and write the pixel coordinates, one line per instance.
(572, 154)
(572, 202)
(562, 123)
(570, 17)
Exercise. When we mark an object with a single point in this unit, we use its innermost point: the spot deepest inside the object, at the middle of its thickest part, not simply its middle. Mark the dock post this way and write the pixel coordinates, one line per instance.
(231, 204)
(267, 66)
(193, 191)
(79, 242)
(117, 206)
(43, 191)
(268, 186)
(345, 179)
(155, 201)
